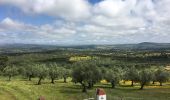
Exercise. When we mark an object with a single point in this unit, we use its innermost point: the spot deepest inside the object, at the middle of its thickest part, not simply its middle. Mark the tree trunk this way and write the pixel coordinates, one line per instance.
(29, 78)
(90, 85)
(142, 85)
(132, 83)
(65, 80)
(160, 83)
(52, 80)
(113, 84)
(84, 88)
(153, 82)
(39, 81)
(9, 79)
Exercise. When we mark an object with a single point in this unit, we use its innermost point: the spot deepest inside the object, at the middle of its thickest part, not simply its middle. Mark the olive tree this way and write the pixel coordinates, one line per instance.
(95, 74)
(153, 70)
(113, 77)
(29, 71)
(132, 75)
(161, 76)
(10, 71)
(65, 74)
(145, 76)
(54, 72)
(41, 72)
(3, 62)
(86, 74)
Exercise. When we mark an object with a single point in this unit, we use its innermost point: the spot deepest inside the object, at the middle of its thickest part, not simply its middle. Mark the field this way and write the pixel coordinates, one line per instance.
(21, 89)
(106, 64)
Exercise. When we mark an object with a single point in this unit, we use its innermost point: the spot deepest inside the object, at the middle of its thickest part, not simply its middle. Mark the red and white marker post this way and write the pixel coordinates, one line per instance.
(100, 94)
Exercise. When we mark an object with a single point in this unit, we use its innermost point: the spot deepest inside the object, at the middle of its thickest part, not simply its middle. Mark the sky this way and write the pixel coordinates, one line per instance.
(76, 22)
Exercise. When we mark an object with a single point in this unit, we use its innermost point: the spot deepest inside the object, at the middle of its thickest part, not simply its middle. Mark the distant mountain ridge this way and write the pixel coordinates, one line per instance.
(152, 45)
(12, 48)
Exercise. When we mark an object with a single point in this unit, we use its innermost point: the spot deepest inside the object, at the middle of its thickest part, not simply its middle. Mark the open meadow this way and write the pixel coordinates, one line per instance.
(21, 89)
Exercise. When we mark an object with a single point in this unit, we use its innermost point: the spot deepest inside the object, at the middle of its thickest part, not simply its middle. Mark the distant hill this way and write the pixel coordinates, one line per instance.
(151, 45)
(19, 48)
(143, 46)
(139, 46)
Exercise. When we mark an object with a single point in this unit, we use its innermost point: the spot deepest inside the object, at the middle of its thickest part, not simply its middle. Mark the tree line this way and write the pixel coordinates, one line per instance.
(40, 71)
(89, 73)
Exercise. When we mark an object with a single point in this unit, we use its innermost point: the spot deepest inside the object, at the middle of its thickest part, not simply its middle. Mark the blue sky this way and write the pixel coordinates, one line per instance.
(17, 14)
(84, 21)
(94, 1)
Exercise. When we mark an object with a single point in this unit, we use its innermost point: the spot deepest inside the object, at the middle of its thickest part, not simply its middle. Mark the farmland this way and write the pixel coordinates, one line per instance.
(76, 73)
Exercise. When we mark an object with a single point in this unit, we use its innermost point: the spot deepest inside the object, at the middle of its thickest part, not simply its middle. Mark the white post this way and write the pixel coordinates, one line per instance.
(100, 94)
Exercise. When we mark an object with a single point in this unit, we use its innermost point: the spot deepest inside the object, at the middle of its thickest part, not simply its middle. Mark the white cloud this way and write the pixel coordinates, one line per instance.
(68, 9)
(108, 21)
(114, 8)
(11, 30)
(8, 23)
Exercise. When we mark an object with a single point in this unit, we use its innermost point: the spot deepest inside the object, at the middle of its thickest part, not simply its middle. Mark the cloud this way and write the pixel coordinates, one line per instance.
(68, 9)
(108, 21)
(11, 30)
(114, 8)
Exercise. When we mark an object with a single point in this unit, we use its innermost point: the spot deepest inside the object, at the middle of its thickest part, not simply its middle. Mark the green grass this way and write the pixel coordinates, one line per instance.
(20, 89)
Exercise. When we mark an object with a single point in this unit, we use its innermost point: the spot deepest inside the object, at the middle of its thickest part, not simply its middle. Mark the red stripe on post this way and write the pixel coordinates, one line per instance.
(100, 92)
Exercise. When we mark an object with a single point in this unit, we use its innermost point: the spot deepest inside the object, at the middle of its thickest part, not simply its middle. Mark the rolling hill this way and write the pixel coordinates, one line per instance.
(20, 48)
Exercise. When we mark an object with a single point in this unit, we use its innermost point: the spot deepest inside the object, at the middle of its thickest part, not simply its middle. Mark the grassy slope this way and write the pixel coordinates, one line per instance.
(19, 89)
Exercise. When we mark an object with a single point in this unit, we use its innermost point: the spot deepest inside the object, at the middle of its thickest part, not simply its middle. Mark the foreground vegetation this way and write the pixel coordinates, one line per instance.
(21, 89)
(75, 75)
